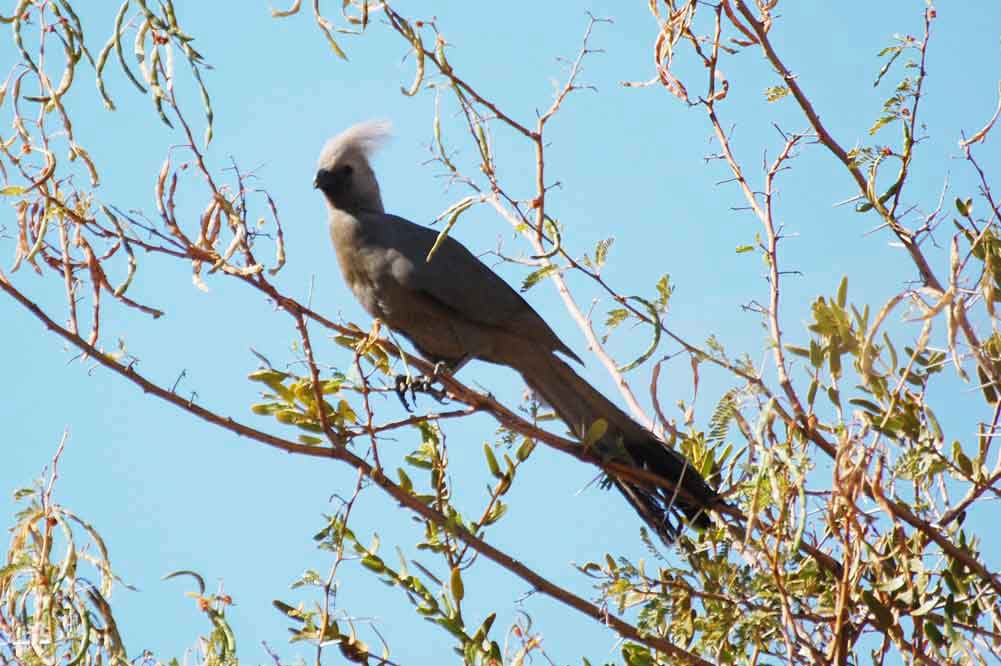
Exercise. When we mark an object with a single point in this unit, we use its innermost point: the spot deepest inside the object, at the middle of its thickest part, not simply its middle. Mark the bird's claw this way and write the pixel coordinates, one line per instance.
(400, 386)
(423, 384)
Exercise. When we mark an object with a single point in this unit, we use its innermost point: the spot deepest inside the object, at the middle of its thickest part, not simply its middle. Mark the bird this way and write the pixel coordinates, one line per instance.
(453, 308)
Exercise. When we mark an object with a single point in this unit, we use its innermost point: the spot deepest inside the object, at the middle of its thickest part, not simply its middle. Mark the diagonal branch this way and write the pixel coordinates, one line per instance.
(375, 475)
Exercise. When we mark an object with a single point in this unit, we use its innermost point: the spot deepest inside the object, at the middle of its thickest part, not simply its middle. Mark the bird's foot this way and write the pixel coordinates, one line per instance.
(422, 384)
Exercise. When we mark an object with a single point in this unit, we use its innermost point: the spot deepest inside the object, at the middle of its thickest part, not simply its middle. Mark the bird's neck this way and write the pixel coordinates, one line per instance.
(357, 206)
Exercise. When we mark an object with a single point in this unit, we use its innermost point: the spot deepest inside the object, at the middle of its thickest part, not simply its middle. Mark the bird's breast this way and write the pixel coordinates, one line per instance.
(367, 266)
(352, 257)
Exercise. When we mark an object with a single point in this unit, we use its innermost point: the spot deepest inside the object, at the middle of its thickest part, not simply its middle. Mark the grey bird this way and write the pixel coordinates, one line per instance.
(455, 308)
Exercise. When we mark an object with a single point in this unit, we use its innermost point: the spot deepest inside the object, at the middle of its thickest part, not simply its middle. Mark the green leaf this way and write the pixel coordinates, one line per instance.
(344, 412)
(504, 485)
(533, 278)
(637, 655)
(775, 93)
(452, 627)
(426, 610)
(616, 317)
(655, 322)
(11, 191)
(894, 53)
(595, 432)
(374, 563)
(455, 582)
(418, 461)
(664, 291)
(346, 341)
(961, 459)
(484, 629)
(496, 513)
(965, 208)
(990, 395)
(816, 354)
(882, 122)
(492, 461)
(811, 393)
(354, 650)
(933, 425)
(893, 584)
(867, 405)
(843, 292)
(331, 385)
(310, 440)
(933, 634)
(834, 396)
(405, 481)
(926, 607)
(798, 351)
(510, 466)
(892, 351)
(284, 392)
(289, 611)
(950, 580)
(199, 581)
(719, 422)
(452, 213)
(601, 251)
(741, 249)
(525, 450)
(21, 493)
(834, 353)
(268, 376)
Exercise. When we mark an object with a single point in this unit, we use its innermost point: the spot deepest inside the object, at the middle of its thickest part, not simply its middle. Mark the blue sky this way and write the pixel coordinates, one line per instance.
(171, 493)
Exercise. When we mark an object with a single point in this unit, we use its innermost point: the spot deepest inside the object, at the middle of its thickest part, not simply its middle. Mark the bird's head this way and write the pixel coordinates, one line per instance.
(344, 174)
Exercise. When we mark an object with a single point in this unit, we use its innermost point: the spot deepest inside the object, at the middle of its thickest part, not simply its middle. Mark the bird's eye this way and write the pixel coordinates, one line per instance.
(347, 169)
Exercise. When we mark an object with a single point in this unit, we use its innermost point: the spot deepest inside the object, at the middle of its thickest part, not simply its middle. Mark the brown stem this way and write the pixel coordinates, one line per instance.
(375, 475)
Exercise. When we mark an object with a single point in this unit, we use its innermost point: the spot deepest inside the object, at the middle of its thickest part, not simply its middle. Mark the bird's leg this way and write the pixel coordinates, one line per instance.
(401, 384)
(425, 384)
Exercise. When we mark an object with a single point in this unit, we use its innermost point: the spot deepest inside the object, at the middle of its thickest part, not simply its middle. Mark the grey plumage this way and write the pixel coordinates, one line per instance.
(455, 308)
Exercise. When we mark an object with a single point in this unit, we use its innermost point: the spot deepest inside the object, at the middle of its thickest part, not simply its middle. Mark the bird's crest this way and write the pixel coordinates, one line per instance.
(358, 140)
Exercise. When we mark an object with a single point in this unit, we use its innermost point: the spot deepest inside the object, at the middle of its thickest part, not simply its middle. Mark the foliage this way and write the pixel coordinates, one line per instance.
(54, 613)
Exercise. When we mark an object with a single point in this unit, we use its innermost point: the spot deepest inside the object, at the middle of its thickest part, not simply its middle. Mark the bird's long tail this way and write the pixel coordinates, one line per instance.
(665, 509)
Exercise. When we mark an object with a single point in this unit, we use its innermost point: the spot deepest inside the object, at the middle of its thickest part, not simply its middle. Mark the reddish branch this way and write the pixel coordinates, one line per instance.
(894, 508)
(906, 237)
(375, 475)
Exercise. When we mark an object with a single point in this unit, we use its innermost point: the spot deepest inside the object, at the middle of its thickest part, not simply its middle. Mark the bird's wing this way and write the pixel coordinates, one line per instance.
(459, 280)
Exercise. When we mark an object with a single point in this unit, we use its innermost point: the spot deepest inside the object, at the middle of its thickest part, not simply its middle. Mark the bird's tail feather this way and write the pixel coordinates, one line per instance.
(684, 497)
